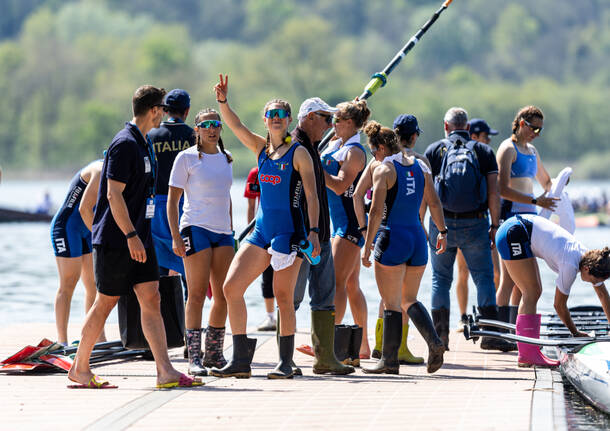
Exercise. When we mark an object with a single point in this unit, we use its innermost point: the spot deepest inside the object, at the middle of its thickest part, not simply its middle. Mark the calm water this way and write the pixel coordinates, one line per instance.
(28, 275)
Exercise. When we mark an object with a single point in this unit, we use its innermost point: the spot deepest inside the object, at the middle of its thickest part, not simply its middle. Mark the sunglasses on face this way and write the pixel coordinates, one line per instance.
(327, 117)
(536, 130)
(279, 113)
(373, 150)
(209, 124)
(337, 120)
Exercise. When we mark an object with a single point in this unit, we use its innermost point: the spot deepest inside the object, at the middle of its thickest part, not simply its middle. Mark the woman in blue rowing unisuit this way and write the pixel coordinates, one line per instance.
(286, 176)
(343, 163)
(400, 183)
(518, 165)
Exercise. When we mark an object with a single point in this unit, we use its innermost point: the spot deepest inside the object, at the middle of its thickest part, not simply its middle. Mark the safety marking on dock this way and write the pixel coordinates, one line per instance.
(136, 409)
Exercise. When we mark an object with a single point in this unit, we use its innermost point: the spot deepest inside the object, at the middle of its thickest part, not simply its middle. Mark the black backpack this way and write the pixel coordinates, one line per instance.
(460, 185)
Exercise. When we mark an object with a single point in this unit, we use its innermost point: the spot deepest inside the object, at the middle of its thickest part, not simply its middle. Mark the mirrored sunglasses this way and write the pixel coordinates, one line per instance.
(536, 130)
(279, 113)
(209, 124)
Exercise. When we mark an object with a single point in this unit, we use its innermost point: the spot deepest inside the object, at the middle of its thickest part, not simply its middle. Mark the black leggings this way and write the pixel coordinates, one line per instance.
(267, 283)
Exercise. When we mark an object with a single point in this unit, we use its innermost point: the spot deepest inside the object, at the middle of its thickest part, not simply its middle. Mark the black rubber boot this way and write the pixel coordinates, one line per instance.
(440, 318)
(193, 344)
(323, 341)
(487, 343)
(296, 370)
(283, 369)
(514, 310)
(239, 365)
(354, 345)
(343, 335)
(392, 332)
(436, 347)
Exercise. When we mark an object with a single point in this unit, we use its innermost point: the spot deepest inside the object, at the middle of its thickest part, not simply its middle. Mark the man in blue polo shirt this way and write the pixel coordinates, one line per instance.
(123, 252)
(171, 137)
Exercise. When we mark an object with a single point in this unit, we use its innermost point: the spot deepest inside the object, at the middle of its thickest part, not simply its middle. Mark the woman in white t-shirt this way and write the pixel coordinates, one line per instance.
(520, 240)
(204, 238)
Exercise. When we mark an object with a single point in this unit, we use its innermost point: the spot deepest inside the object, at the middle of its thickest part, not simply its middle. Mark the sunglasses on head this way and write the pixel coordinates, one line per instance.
(536, 130)
(209, 124)
(279, 113)
(327, 117)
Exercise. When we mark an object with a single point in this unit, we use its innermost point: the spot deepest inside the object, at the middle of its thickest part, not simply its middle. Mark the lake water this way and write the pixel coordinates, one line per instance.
(28, 275)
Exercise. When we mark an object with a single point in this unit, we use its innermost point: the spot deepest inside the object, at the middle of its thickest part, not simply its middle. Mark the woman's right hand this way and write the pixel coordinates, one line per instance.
(546, 202)
(222, 88)
(178, 246)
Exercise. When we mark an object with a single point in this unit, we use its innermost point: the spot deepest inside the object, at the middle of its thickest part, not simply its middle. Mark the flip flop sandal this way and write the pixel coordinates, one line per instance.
(94, 383)
(183, 382)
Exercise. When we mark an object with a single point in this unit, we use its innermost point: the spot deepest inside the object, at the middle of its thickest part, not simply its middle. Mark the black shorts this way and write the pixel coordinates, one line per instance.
(116, 273)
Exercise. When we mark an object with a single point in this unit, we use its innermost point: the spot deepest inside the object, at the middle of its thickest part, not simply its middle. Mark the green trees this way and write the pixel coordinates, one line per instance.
(68, 68)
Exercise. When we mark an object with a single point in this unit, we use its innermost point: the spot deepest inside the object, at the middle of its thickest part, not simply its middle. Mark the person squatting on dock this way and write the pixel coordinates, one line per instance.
(286, 177)
(123, 253)
(520, 240)
(204, 238)
(399, 185)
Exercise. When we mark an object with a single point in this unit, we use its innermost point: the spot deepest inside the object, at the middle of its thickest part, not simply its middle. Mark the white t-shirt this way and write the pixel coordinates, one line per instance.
(206, 182)
(560, 250)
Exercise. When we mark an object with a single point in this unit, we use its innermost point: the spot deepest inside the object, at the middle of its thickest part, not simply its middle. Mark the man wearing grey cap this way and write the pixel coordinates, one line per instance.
(315, 118)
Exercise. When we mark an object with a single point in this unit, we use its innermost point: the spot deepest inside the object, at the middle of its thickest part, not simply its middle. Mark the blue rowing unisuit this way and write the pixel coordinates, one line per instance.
(279, 220)
(401, 236)
(69, 235)
(342, 214)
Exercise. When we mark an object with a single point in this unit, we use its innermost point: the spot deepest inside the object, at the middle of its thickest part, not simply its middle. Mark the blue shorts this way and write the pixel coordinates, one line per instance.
(265, 235)
(397, 246)
(70, 237)
(513, 239)
(197, 238)
(162, 237)
(350, 233)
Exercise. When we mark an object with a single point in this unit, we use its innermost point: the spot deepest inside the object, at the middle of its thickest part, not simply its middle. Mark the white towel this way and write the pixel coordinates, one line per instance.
(564, 207)
(281, 261)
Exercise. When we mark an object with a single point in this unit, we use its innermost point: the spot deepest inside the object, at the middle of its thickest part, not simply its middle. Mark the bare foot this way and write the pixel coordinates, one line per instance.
(83, 377)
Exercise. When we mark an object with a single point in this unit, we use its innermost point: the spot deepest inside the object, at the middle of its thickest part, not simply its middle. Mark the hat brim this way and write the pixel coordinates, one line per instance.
(492, 132)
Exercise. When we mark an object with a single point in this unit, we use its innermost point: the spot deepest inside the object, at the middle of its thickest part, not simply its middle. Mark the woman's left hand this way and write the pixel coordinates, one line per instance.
(580, 334)
(366, 256)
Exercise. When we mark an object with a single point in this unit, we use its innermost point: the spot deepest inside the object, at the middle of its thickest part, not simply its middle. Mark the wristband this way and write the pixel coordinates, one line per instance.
(443, 232)
(131, 234)
(221, 101)
(494, 226)
(535, 201)
(314, 229)
(363, 228)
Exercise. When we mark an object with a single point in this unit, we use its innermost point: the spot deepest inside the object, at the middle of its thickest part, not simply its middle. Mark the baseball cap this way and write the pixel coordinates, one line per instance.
(478, 125)
(314, 104)
(406, 125)
(178, 99)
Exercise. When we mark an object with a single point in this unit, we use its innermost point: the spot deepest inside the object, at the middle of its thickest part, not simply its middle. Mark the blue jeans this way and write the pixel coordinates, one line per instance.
(472, 237)
(321, 281)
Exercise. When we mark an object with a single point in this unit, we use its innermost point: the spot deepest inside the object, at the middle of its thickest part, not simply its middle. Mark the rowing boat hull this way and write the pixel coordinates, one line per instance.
(12, 216)
(587, 369)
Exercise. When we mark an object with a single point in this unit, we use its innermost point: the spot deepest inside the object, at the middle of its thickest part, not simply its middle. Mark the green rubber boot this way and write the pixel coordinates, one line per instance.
(405, 357)
(379, 339)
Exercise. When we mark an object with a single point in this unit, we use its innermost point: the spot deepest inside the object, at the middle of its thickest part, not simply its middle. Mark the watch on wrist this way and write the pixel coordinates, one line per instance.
(443, 232)
(131, 234)
(535, 201)
(314, 229)
(494, 226)
(363, 228)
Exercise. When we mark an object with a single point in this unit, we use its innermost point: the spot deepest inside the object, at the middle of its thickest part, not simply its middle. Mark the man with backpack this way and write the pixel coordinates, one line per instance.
(465, 178)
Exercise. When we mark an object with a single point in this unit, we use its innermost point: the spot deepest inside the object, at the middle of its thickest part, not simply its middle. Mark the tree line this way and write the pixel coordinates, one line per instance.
(68, 68)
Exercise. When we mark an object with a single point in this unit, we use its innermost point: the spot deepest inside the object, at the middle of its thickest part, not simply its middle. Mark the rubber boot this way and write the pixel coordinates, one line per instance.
(405, 357)
(528, 325)
(514, 311)
(378, 339)
(392, 329)
(323, 341)
(343, 334)
(284, 370)
(436, 348)
(214, 342)
(354, 345)
(440, 318)
(296, 370)
(487, 343)
(193, 344)
(239, 365)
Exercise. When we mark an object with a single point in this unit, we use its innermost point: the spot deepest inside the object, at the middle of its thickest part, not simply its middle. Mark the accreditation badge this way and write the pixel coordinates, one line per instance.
(150, 208)
(146, 164)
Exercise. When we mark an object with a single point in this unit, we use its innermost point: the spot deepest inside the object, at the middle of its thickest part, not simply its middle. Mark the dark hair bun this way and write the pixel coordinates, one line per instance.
(372, 129)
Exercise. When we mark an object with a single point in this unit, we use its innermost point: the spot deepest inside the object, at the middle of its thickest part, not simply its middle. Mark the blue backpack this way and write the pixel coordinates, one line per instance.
(460, 185)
